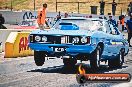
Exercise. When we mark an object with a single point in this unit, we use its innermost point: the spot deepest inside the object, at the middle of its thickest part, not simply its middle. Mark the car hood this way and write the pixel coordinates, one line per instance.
(58, 32)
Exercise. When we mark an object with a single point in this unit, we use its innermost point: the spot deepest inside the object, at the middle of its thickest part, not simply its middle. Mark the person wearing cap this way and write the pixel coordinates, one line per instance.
(129, 29)
(41, 19)
(112, 20)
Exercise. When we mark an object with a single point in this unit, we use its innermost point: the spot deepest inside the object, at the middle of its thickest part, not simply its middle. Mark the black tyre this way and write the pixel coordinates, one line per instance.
(117, 61)
(69, 62)
(39, 57)
(95, 58)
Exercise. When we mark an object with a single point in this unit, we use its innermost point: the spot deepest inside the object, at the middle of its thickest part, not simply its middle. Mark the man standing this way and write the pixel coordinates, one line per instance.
(112, 21)
(102, 5)
(122, 22)
(58, 16)
(114, 4)
(41, 19)
(129, 29)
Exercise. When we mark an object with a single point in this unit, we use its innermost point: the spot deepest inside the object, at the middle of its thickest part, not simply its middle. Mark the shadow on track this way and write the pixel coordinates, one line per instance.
(74, 70)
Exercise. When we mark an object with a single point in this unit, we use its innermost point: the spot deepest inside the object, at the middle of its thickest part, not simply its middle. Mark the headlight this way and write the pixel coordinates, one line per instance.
(75, 40)
(44, 38)
(84, 40)
(37, 38)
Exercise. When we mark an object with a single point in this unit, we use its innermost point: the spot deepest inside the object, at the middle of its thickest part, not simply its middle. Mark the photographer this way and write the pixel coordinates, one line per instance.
(111, 20)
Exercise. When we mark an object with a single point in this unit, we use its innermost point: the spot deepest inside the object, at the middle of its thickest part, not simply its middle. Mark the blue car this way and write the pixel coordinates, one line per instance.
(83, 39)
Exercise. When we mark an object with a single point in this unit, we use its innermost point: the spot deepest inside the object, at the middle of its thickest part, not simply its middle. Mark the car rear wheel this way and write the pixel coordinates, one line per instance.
(39, 57)
(69, 62)
(118, 61)
(95, 58)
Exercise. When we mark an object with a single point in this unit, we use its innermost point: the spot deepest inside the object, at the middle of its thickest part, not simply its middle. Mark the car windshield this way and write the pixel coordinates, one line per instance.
(82, 24)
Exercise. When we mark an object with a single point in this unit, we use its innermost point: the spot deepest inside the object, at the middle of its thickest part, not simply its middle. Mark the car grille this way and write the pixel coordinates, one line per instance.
(55, 39)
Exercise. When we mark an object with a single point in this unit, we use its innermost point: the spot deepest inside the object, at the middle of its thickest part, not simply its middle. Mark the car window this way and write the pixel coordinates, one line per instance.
(91, 25)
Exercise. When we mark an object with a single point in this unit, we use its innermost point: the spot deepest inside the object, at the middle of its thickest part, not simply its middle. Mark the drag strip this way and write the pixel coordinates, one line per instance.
(22, 72)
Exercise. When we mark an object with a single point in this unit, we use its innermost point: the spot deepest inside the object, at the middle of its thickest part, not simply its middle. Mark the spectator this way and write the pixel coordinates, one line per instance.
(129, 29)
(90, 16)
(2, 21)
(112, 20)
(65, 15)
(58, 16)
(102, 5)
(130, 8)
(122, 21)
(114, 4)
(41, 19)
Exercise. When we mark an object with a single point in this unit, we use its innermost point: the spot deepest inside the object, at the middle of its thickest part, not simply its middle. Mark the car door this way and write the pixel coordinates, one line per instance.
(115, 38)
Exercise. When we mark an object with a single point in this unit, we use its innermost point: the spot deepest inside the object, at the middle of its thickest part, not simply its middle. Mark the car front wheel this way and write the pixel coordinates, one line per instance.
(39, 57)
(95, 58)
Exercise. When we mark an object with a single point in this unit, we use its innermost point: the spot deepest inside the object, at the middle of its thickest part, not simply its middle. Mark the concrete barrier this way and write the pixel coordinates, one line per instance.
(4, 33)
(15, 17)
(17, 45)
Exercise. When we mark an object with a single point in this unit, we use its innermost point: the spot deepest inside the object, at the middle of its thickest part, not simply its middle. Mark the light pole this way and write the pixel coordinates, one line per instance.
(11, 5)
(56, 5)
(34, 5)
